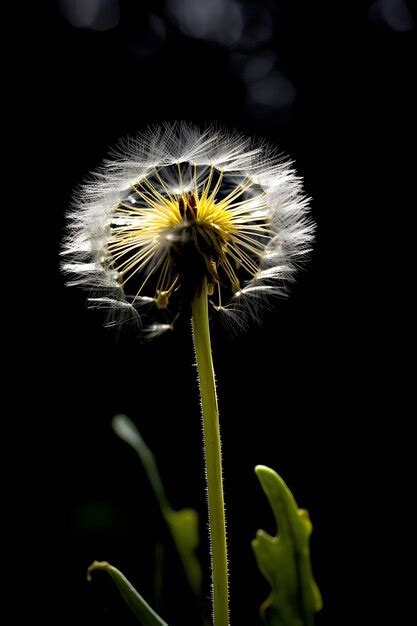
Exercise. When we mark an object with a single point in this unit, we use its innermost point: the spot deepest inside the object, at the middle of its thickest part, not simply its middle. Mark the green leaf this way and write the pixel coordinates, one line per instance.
(184, 528)
(284, 559)
(183, 523)
(145, 614)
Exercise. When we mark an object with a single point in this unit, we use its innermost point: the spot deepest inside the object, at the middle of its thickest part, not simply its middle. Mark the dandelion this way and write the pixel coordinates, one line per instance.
(178, 222)
(175, 207)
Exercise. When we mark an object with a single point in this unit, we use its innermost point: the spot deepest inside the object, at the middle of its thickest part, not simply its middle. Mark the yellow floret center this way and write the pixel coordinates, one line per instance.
(195, 230)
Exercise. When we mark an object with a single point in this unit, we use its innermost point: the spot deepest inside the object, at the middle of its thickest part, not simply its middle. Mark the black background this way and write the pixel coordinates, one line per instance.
(288, 390)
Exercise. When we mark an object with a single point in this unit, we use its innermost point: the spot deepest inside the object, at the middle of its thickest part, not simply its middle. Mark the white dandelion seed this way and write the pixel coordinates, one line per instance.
(177, 206)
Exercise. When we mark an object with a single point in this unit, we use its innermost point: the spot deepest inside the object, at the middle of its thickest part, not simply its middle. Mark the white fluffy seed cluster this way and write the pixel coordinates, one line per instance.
(174, 195)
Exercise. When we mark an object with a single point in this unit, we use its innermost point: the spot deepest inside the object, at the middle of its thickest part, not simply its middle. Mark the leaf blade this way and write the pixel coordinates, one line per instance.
(284, 560)
(137, 604)
(183, 523)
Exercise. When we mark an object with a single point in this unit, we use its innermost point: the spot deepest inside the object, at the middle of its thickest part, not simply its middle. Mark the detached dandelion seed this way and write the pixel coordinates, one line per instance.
(175, 206)
(176, 221)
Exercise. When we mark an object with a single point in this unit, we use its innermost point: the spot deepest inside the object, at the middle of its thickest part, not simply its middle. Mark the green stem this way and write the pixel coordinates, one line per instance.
(213, 457)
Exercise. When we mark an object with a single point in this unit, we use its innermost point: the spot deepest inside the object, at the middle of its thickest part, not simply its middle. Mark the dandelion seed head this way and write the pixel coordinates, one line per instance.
(177, 206)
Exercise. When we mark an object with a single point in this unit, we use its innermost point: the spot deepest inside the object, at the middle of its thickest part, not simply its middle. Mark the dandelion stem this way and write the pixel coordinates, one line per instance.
(213, 457)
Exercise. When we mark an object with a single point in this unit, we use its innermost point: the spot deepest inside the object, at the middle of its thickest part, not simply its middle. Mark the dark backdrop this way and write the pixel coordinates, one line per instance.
(289, 389)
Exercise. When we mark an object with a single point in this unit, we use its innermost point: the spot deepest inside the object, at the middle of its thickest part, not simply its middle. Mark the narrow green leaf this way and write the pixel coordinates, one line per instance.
(183, 523)
(145, 614)
(284, 559)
